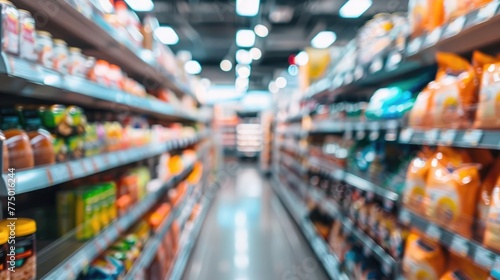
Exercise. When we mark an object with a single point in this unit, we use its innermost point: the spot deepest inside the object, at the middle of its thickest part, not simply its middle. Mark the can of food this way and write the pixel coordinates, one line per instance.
(10, 27)
(21, 255)
(61, 53)
(44, 48)
(4, 237)
(76, 62)
(27, 37)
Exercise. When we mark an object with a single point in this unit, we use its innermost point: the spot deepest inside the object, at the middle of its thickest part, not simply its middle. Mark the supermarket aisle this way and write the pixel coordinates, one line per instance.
(248, 235)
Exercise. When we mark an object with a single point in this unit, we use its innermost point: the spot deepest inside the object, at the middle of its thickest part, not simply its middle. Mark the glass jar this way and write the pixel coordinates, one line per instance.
(76, 62)
(44, 48)
(10, 27)
(61, 53)
(27, 37)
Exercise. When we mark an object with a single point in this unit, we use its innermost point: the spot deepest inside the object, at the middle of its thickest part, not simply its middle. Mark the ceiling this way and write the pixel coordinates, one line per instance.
(207, 29)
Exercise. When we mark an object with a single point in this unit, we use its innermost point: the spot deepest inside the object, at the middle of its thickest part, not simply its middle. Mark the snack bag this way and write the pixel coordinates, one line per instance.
(423, 260)
(488, 108)
(484, 200)
(425, 15)
(492, 229)
(451, 193)
(455, 92)
(416, 178)
(419, 113)
(466, 268)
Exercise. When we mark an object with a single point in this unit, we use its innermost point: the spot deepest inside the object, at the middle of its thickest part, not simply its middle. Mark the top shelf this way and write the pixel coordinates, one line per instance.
(99, 35)
(462, 35)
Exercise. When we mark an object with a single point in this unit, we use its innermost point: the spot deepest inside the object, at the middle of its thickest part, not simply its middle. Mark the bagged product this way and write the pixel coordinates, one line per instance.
(488, 108)
(425, 15)
(485, 198)
(451, 191)
(419, 115)
(467, 268)
(423, 260)
(492, 229)
(416, 177)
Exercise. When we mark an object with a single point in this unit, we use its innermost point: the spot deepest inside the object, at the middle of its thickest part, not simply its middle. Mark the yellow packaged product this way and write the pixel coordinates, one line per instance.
(484, 199)
(416, 178)
(488, 108)
(492, 229)
(451, 192)
(423, 260)
(455, 92)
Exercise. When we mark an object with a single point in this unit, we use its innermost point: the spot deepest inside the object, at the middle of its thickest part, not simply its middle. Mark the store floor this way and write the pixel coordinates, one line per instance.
(248, 235)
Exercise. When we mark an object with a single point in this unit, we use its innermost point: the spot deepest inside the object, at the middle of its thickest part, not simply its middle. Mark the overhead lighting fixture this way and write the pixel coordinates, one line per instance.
(141, 5)
(281, 82)
(192, 67)
(323, 39)
(273, 88)
(243, 71)
(261, 30)
(245, 38)
(166, 35)
(255, 53)
(247, 8)
(243, 57)
(226, 65)
(302, 58)
(355, 8)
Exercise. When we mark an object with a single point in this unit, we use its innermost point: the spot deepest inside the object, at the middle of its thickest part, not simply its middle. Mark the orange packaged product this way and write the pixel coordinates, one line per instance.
(416, 177)
(123, 203)
(129, 185)
(485, 198)
(456, 8)
(99, 73)
(423, 260)
(43, 150)
(159, 215)
(419, 114)
(425, 15)
(451, 194)
(467, 267)
(455, 92)
(492, 229)
(175, 165)
(195, 175)
(479, 60)
(488, 108)
(19, 149)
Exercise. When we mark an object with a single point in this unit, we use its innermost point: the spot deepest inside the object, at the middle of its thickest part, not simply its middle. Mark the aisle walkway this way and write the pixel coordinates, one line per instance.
(248, 235)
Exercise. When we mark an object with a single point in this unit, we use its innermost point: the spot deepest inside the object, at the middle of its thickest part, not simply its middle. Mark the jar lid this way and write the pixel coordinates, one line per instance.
(73, 49)
(43, 33)
(59, 42)
(4, 236)
(21, 11)
(23, 226)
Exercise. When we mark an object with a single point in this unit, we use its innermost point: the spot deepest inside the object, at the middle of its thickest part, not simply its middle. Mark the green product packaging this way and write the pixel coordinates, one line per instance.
(84, 212)
(65, 211)
(75, 146)
(52, 116)
(60, 149)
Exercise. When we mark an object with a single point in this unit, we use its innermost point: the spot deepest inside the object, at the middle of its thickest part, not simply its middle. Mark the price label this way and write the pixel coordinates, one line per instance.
(460, 246)
(406, 135)
(59, 173)
(487, 12)
(77, 169)
(433, 232)
(113, 159)
(431, 136)
(100, 163)
(484, 257)
(405, 217)
(448, 136)
(433, 37)
(414, 46)
(376, 65)
(454, 27)
(473, 137)
(88, 165)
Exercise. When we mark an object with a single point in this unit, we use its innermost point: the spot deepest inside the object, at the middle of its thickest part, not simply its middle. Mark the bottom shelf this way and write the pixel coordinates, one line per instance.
(298, 211)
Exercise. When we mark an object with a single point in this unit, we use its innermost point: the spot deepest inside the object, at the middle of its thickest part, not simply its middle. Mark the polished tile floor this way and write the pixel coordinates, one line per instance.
(248, 235)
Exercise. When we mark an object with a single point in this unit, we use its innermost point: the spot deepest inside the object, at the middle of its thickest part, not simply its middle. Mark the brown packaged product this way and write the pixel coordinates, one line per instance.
(20, 151)
(5, 153)
(43, 150)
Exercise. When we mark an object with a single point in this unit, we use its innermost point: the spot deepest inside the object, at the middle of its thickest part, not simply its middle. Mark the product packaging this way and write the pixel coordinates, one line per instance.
(10, 27)
(423, 260)
(25, 249)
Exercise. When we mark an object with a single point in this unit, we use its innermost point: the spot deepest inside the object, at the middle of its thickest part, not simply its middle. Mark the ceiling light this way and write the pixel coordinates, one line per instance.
(273, 88)
(192, 67)
(226, 65)
(255, 53)
(242, 83)
(243, 71)
(141, 5)
(302, 58)
(355, 8)
(243, 57)
(245, 38)
(281, 82)
(261, 30)
(323, 39)
(166, 35)
(247, 8)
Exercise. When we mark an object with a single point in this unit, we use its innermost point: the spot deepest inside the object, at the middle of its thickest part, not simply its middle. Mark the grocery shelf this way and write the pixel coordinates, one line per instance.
(462, 246)
(52, 267)
(462, 35)
(329, 126)
(46, 176)
(23, 78)
(102, 37)
(473, 138)
(298, 211)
